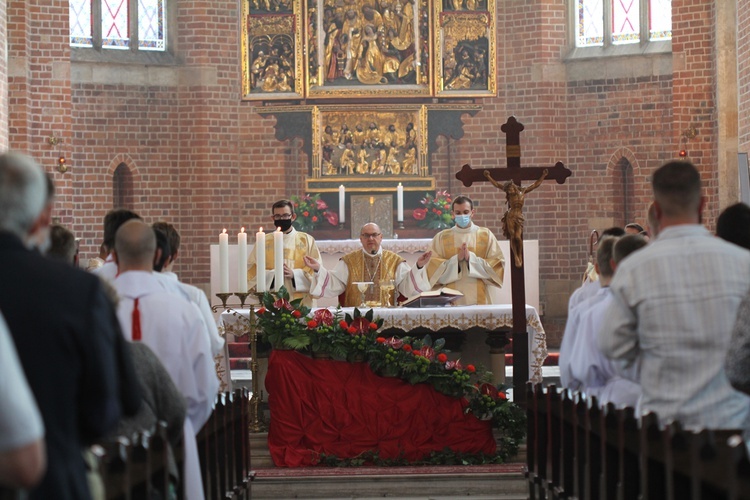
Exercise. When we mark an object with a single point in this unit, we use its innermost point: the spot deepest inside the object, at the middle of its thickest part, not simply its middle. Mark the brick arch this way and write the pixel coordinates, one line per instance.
(124, 173)
(621, 170)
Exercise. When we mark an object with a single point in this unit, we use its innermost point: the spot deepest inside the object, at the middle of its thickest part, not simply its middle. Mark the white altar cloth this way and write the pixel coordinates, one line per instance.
(489, 317)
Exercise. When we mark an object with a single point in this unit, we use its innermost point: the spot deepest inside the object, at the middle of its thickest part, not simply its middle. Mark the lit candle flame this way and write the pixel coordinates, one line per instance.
(260, 229)
(278, 229)
(224, 231)
(242, 230)
(372, 200)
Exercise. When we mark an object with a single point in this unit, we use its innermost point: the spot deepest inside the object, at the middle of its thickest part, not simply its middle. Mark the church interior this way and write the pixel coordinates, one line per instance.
(229, 105)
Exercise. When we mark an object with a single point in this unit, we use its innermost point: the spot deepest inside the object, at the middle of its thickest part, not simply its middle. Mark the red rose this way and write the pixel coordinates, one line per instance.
(419, 213)
(306, 213)
(373, 326)
(312, 324)
(315, 218)
(352, 330)
(442, 358)
(407, 347)
(262, 310)
(323, 316)
(501, 395)
(296, 313)
(380, 340)
(471, 368)
(343, 324)
(439, 212)
(332, 218)
(283, 304)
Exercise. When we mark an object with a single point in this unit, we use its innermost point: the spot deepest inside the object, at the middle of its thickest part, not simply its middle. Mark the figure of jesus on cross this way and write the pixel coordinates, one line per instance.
(513, 222)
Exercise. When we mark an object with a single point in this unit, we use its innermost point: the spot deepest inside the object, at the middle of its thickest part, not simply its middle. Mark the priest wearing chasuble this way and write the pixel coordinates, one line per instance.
(466, 257)
(297, 245)
(370, 264)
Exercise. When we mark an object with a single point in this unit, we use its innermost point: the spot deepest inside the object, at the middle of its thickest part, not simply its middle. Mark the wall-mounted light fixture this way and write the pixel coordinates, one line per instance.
(62, 163)
(687, 135)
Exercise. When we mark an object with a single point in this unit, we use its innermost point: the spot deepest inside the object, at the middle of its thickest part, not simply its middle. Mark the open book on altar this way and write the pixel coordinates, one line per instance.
(433, 298)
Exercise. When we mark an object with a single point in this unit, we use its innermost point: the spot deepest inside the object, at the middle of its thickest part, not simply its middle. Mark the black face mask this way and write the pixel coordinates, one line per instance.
(284, 224)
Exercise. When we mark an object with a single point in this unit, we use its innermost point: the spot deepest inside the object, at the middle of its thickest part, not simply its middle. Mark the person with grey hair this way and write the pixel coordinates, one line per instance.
(68, 353)
(62, 244)
(673, 306)
(173, 328)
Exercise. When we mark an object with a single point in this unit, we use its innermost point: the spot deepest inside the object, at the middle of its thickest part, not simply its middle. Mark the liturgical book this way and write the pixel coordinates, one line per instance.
(433, 298)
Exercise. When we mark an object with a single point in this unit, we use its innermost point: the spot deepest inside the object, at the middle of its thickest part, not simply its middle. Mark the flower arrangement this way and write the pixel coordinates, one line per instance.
(311, 210)
(436, 213)
(354, 337)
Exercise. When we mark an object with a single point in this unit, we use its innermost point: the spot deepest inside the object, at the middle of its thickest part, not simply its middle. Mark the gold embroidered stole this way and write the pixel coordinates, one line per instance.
(447, 242)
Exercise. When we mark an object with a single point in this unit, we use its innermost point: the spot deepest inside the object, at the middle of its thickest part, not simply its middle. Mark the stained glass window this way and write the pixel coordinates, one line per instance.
(120, 20)
(625, 26)
(150, 24)
(590, 23)
(660, 19)
(80, 23)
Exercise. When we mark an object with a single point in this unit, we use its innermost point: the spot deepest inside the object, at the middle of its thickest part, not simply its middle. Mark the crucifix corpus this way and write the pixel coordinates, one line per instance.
(513, 221)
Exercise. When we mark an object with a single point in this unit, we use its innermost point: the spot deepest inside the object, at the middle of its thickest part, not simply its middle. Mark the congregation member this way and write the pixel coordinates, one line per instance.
(653, 225)
(590, 285)
(172, 327)
(634, 228)
(63, 245)
(22, 450)
(68, 353)
(193, 294)
(112, 222)
(733, 225)
(673, 307)
(466, 257)
(297, 246)
(591, 372)
(369, 264)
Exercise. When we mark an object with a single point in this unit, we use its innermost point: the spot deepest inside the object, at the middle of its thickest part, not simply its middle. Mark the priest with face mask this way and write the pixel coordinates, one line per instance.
(466, 257)
(297, 245)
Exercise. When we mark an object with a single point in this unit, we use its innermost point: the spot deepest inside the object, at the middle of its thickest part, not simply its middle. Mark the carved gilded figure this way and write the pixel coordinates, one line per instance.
(362, 166)
(347, 160)
(410, 160)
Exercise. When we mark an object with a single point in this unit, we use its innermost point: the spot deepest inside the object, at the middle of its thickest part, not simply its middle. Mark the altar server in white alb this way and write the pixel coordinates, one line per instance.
(466, 257)
(297, 245)
(173, 328)
(370, 264)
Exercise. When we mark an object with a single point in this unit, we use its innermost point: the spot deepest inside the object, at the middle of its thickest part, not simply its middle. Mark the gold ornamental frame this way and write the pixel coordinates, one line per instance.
(465, 50)
(369, 149)
(272, 50)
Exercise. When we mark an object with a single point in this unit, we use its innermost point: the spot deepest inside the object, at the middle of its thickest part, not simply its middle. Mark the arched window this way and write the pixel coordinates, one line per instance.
(623, 192)
(122, 188)
(118, 24)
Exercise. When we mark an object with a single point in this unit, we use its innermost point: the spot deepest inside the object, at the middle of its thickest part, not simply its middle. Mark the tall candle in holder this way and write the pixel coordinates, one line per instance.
(342, 204)
(400, 203)
(278, 259)
(224, 262)
(242, 261)
(260, 260)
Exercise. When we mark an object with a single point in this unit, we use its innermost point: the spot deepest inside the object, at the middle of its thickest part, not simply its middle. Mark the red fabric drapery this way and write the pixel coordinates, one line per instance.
(344, 409)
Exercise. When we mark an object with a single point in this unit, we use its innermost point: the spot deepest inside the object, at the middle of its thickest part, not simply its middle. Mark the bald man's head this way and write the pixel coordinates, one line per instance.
(370, 236)
(135, 245)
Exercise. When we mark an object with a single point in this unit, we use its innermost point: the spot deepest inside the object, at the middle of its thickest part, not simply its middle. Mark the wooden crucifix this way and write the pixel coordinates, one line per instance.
(513, 174)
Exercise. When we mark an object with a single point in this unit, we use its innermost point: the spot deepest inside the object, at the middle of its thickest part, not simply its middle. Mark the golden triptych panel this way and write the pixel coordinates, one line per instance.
(297, 49)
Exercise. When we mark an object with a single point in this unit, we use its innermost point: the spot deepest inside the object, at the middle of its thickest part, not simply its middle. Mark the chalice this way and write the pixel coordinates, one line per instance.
(362, 287)
(386, 287)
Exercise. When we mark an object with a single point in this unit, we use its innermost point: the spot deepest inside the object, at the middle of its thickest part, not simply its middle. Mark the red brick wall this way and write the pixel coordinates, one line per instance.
(202, 159)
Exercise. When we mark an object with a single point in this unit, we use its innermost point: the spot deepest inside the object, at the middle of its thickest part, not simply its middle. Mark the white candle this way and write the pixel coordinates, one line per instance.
(400, 203)
(224, 262)
(342, 204)
(278, 258)
(260, 260)
(242, 261)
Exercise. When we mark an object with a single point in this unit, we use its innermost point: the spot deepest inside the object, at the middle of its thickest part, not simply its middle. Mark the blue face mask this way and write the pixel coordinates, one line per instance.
(463, 220)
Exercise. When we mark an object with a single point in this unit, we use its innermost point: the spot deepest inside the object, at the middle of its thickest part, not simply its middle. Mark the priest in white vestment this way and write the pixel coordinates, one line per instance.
(369, 264)
(466, 257)
(173, 328)
(297, 245)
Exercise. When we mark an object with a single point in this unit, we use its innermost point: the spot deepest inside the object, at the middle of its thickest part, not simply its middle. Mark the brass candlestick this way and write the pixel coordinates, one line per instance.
(256, 418)
(223, 297)
(243, 297)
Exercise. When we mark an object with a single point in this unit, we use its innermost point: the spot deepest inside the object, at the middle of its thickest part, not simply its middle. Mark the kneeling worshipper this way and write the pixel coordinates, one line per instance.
(370, 264)
(173, 328)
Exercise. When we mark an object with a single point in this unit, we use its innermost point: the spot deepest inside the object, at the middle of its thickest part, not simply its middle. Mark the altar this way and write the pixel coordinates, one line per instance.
(486, 318)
